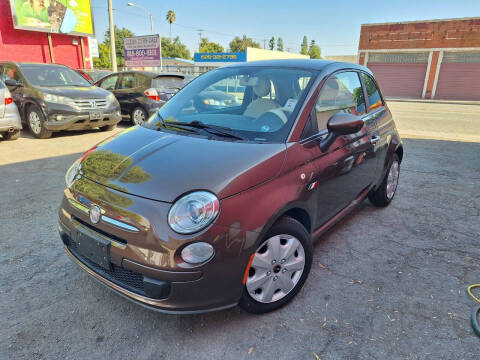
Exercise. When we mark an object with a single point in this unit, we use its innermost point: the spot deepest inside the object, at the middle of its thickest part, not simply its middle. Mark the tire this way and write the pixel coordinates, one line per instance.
(266, 277)
(109, 127)
(387, 189)
(36, 122)
(138, 116)
(14, 135)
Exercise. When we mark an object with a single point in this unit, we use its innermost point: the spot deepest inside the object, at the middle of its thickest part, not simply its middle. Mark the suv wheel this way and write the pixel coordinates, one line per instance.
(279, 267)
(139, 116)
(14, 135)
(36, 122)
(386, 191)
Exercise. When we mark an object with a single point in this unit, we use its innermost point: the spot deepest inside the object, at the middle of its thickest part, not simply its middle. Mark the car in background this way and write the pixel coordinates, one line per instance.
(10, 122)
(93, 75)
(142, 93)
(54, 97)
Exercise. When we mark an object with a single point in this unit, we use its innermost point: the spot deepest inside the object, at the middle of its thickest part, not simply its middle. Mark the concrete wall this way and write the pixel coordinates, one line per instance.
(344, 58)
(254, 54)
(23, 45)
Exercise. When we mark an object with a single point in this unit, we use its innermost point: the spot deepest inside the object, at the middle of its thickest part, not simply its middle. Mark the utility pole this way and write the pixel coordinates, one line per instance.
(113, 52)
(264, 42)
(200, 33)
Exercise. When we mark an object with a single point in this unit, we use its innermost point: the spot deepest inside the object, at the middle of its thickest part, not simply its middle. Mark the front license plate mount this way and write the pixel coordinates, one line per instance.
(97, 250)
(96, 115)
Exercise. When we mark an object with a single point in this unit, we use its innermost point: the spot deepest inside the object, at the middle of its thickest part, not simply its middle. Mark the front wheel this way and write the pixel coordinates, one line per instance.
(279, 268)
(36, 123)
(386, 191)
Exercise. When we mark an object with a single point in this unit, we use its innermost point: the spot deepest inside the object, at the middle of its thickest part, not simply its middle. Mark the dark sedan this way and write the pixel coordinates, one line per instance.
(142, 93)
(54, 97)
(202, 209)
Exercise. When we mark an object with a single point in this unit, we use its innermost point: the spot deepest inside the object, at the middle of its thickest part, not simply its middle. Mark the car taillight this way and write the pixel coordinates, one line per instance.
(8, 100)
(152, 94)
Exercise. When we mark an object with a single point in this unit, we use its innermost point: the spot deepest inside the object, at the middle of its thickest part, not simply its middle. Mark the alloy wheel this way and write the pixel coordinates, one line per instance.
(276, 268)
(392, 180)
(34, 122)
(138, 117)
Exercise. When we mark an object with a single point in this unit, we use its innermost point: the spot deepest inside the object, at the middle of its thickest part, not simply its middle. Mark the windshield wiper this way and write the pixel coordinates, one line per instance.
(167, 124)
(212, 129)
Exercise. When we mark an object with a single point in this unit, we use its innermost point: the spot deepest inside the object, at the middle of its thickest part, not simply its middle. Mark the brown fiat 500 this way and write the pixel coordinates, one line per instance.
(207, 207)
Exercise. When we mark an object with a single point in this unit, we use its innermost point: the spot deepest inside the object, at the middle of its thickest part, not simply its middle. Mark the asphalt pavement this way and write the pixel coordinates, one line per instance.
(385, 283)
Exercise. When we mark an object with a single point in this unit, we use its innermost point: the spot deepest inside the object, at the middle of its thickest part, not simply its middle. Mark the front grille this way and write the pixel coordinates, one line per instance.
(90, 104)
(125, 278)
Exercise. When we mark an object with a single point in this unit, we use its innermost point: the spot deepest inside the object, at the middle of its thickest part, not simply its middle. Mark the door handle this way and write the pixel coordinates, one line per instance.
(374, 139)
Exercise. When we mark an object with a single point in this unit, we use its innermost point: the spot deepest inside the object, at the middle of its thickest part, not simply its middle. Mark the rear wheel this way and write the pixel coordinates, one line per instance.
(14, 135)
(386, 191)
(139, 116)
(279, 267)
(36, 122)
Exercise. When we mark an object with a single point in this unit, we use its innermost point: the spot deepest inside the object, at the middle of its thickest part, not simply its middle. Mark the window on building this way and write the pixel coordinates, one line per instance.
(340, 93)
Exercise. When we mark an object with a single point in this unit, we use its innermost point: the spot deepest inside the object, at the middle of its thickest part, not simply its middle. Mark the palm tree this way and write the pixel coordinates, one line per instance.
(171, 19)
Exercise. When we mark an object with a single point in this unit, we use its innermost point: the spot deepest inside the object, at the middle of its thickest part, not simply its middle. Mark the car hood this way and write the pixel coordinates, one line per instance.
(76, 92)
(163, 166)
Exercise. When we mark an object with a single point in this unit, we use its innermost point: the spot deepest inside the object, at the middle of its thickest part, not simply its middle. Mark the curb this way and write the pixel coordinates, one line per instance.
(433, 101)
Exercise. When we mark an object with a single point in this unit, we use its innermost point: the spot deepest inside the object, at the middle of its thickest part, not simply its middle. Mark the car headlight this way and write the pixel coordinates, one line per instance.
(193, 212)
(72, 172)
(57, 99)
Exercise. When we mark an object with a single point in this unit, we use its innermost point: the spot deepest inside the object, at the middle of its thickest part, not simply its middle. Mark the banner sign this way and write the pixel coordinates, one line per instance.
(72, 17)
(220, 57)
(142, 50)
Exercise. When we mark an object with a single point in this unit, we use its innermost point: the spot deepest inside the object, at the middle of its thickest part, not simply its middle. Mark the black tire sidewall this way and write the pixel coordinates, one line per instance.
(290, 226)
(44, 133)
(379, 197)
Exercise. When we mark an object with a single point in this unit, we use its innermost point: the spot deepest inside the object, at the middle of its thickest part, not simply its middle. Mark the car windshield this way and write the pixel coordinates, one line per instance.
(168, 82)
(256, 103)
(53, 76)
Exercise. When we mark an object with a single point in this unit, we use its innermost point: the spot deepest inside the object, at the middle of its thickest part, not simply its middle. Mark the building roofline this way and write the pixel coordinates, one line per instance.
(422, 21)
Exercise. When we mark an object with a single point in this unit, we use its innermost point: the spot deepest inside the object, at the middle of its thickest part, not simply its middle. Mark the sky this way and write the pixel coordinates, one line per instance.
(333, 24)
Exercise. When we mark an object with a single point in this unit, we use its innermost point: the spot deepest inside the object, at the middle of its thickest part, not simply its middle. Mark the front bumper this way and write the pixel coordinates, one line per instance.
(61, 117)
(148, 258)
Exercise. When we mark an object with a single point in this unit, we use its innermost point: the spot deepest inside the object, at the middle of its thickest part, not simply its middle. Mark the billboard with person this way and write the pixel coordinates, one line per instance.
(53, 16)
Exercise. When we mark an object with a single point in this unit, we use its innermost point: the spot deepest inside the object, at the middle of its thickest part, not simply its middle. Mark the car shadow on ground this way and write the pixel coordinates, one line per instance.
(384, 283)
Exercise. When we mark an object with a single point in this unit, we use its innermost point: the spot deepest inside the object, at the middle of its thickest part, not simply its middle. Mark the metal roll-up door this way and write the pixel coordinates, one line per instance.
(399, 74)
(459, 76)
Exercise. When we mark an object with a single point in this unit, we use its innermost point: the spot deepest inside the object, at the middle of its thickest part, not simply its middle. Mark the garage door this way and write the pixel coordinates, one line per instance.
(459, 76)
(399, 75)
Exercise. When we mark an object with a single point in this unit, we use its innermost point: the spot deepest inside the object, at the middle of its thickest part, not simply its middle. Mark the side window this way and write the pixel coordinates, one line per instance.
(109, 82)
(127, 81)
(340, 93)
(11, 73)
(142, 81)
(374, 98)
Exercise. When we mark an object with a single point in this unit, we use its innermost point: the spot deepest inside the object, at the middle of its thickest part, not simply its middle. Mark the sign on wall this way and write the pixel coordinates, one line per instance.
(53, 16)
(93, 46)
(220, 57)
(142, 50)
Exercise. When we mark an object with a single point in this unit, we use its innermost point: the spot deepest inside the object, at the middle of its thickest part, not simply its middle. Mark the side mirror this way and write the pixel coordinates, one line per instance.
(13, 83)
(340, 124)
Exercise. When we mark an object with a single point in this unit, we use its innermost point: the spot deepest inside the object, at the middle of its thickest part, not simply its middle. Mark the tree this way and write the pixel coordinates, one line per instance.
(103, 61)
(175, 48)
(304, 47)
(280, 44)
(315, 52)
(240, 44)
(120, 34)
(271, 43)
(210, 47)
(171, 17)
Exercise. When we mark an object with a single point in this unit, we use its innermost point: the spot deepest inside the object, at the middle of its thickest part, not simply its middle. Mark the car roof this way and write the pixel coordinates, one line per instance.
(311, 64)
(150, 74)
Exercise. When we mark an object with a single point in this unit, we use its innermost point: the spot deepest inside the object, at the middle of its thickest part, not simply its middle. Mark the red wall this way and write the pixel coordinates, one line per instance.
(22, 45)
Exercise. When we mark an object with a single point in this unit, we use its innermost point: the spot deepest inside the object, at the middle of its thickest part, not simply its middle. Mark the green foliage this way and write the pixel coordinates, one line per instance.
(315, 52)
(170, 17)
(280, 44)
(271, 43)
(240, 44)
(304, 47)
(174, 48)
(103, 62)
(120, 34)
(210, 47)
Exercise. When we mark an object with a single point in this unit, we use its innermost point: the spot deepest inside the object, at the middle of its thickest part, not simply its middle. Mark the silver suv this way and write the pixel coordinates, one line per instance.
(10, 122)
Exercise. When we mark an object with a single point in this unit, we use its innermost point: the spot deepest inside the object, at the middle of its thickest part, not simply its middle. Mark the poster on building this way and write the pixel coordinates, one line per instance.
(142, 50)
(54, 16)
